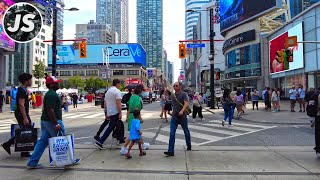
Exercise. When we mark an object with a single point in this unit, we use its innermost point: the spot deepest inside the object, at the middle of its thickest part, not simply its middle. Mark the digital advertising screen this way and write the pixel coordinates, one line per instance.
(118, 54)
(286, 59)
(5, 42)
(235, 12)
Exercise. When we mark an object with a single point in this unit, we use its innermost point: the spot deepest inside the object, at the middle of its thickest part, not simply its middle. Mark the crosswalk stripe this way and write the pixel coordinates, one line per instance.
(94, 115)
(226, 131)
(76, 116)
(66, 115)
(148, 134)
(196, 135)
(165, 139)
(242, 124)
(234, 127)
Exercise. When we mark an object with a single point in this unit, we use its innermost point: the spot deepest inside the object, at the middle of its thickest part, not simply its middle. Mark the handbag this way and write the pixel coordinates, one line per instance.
(61, 150)
(25, 139)
(188, 110)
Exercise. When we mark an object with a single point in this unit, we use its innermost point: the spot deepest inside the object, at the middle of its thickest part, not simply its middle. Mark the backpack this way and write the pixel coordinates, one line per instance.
(102, 101)
(118, 132)
(312, 107)
(125, 99)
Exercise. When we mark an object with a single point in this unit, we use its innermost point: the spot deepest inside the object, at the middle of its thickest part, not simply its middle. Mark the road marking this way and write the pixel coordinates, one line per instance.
(243, 124)
(165, 139)
(226, 131)
(238, 135)
(148, 134)
(5, 125)
(233, 127)
(94, 115)
(196, 135)
(76, 116)
(68, 114)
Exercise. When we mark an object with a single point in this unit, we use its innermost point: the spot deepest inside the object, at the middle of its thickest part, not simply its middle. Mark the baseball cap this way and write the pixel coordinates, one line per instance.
(52, 79)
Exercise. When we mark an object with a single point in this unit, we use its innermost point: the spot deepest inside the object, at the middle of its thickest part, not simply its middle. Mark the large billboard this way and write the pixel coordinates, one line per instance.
(5, 42)
(235, 12)
(286, 59)
(96, 54)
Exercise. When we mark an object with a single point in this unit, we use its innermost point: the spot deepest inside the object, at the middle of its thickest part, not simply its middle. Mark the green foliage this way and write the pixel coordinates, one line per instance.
(39, 70)
(76, 82)
(95, 84)
(8, 83)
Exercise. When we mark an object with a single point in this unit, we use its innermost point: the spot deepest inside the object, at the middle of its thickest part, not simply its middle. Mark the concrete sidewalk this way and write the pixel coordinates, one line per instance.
(220, 162)
(284, 116)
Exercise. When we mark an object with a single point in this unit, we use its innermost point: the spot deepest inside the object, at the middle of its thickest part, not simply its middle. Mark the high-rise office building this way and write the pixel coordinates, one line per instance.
(60, 15)
(192, 17)
(116, 14)
(150, 31)
(297, 6)
(94, 33)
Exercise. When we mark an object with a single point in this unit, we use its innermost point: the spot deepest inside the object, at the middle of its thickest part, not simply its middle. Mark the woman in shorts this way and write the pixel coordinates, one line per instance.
(240, 102)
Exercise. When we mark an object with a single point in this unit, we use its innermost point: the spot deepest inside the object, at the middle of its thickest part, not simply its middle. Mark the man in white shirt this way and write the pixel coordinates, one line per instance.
(113, 111)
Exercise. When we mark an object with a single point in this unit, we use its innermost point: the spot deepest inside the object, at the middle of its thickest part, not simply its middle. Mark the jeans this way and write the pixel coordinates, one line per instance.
(173, 128)
(103, 125)
(317, 134)
(65, 107)
(255, 103)
(228, 113)
(112, 124)
(197, 110)
(47, 131)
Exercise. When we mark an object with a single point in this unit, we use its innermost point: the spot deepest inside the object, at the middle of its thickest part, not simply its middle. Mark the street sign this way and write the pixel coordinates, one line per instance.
(291, 41)
(104, 75)
(196, 45)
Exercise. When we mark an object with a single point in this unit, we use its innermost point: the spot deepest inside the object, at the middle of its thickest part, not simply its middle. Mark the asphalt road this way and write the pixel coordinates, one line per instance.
(84, 124)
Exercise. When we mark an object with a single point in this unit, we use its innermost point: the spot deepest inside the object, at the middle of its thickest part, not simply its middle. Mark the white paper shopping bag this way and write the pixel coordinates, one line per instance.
(61, 150)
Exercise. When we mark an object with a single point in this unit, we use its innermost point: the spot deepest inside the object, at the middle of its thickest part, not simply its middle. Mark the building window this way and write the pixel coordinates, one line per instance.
(133, 72)
(118, 72)
(65, 73)
(92, 73)
(75, 73)
(43, 45)
(42, 37)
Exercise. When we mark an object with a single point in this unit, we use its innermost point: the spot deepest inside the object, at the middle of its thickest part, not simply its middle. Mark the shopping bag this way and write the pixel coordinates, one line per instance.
(25, 139)
(14, 127)
(61, 150)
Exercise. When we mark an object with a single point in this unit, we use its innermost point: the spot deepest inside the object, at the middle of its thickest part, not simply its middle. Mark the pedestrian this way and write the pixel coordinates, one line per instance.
(180, 102)
(135, 134)
(301, 96)
(106, 120)
(135, 103)
(293, 98)
(204, 98)
(65, 103)
(75, 100)
(240, 102)
(317, 125)
(233, 95)
(275, 100)
(168, 105)
(307, 98)
(255, 99)
(34, 100)
(162, 102)
(197, 107)
(113, 108)
(51, 121)
(2, 100)
(228, 104)
(21, 110)
(267, 99)
(13, 95)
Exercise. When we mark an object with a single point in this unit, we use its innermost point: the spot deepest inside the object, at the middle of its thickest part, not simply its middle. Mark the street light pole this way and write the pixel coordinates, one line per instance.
(212, 34)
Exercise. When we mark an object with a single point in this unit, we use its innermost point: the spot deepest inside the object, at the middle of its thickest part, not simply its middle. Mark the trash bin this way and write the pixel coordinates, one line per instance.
(97, 102)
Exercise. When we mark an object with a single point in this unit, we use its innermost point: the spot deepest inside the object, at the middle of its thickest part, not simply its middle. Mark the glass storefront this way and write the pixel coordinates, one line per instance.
(285, 83)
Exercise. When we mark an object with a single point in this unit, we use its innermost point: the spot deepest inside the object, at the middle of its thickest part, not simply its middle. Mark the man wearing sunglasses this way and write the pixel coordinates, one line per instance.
(180, 103)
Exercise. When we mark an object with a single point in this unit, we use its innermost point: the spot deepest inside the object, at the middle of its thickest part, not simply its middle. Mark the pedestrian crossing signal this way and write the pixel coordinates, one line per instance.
(182, 51)
(83, 49)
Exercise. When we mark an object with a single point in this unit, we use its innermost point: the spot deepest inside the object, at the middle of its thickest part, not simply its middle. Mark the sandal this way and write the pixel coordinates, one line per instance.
(128, 156)
(143, 154)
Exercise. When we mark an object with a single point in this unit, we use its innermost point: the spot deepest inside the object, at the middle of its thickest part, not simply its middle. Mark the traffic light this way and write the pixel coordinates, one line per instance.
(83, 49)
(182, 51)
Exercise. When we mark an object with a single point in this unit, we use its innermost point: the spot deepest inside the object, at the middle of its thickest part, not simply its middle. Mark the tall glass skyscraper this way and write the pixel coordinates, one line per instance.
(150, 31)
(297, 6)
(192, 17)
(116, 14)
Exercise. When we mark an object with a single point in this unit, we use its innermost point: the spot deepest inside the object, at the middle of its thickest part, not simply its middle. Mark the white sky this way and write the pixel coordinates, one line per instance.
(173, 24)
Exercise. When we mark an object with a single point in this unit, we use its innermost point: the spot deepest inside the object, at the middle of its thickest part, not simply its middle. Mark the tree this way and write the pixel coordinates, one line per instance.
(95, 84)
(8, 83)
(38, 72)
(76, 82)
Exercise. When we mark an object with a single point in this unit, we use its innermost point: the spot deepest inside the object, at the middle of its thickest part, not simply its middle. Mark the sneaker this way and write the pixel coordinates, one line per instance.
(230, 125)
(300, 111)
(123, 151)
(128, 156)
(99, 146)
(222, 122)
(189, 148)
(76, 161)
(168, 154)
(143, 154)
(6, 148)
(97, 137)
(193, 120)
(203, 119)
(38, 166)
(146, 146)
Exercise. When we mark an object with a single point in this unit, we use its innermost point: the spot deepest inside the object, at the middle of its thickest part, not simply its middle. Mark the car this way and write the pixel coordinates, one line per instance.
(146, 97)
(123, 106)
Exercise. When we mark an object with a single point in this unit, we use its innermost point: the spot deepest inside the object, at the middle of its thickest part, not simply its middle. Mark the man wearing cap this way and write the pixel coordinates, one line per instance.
(21, 109)
(51, 121)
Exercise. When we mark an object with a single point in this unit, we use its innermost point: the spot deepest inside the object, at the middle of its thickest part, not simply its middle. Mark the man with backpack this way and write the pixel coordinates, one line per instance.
(313, 111)
(125, 99)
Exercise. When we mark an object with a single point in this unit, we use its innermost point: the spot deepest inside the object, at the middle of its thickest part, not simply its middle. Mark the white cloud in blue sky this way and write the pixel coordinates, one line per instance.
(173, 23)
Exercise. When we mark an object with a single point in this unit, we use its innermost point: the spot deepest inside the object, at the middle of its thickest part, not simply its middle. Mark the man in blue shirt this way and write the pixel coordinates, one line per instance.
(293, 97)
(301, 96)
